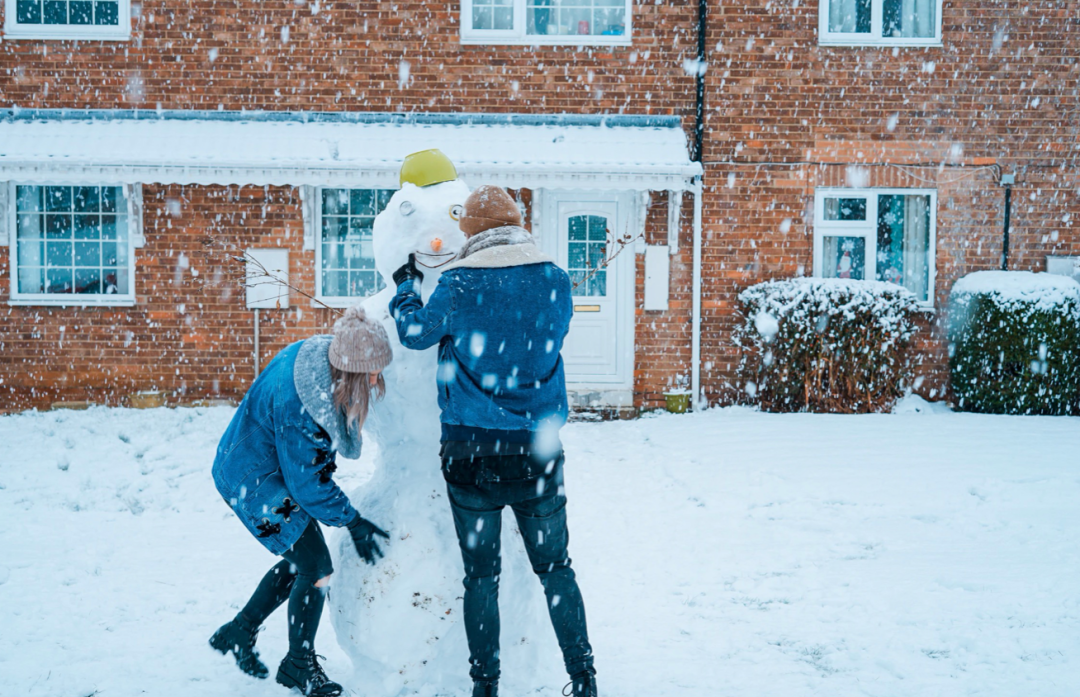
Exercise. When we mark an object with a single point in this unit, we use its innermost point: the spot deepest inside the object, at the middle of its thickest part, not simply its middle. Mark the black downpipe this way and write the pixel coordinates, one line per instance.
(1005, 237)
(699, 124)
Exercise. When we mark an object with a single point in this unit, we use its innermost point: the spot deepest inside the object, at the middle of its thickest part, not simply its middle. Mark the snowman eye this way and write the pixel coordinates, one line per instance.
(407, 208)
(455, 212)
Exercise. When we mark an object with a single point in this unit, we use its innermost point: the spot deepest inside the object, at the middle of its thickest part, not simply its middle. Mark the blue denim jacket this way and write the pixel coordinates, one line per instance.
(274, 462)
(499, 317)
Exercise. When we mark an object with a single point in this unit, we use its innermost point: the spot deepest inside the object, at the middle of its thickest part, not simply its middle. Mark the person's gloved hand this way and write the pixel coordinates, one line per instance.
(408, 271)
(363, 533)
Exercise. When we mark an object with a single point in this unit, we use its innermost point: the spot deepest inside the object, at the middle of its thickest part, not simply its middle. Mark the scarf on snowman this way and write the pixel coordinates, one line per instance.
(500, 247)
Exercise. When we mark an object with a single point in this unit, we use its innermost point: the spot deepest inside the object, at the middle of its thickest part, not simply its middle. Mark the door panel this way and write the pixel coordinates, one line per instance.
(585, 230)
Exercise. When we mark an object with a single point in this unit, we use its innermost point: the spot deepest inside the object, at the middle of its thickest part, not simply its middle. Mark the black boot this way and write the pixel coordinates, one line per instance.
(305, 674)
(240, 639)
(583, 684)
(485, 688)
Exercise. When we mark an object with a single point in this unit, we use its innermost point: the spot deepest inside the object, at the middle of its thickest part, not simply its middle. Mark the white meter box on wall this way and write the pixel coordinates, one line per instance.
(267, 278)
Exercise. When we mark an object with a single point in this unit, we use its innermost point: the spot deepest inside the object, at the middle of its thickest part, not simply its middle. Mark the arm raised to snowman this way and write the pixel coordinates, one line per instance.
(420, 326)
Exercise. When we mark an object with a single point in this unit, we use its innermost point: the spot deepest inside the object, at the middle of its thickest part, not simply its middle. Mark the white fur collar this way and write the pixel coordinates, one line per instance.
(501, 256)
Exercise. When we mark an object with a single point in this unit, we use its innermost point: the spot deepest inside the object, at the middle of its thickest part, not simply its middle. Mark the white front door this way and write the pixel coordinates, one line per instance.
(581, 230)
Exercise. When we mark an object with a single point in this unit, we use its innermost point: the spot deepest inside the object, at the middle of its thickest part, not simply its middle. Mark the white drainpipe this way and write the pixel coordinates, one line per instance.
(695, 332)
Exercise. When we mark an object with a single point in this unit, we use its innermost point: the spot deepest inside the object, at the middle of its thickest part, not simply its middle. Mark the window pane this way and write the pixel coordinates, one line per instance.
(903, 237)
(334, 229)
(55, 13)
(29, 12)
(481, 17)
(88, 227)
(335, 283)
(31, 280)
(597, 228)
(111, 197)
(843, 257)
(58, 198)
(335, 202)
(579, 227)
(87, 254)
(908, 18)
(87, 199)
(80, 12)
(88, 281)
(114, 280)
(110, 254)
(58, 281)
(598, 284)
(31, 249)
(107, 13)
(845, 209)
(849, 16)
(109, 228)
(58, 254)
(28, 199)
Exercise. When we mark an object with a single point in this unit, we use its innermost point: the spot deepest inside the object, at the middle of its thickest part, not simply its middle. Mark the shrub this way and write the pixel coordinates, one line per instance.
(1014, 343)
(827, 345)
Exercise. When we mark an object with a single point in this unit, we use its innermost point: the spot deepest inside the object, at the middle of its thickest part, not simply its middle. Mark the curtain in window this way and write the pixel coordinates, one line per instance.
(908, 18)
(31, 237)
(849, 16)
(916, 245)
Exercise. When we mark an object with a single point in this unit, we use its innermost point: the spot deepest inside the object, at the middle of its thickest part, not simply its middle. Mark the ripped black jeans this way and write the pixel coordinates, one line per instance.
(294, 579)
(540, 508)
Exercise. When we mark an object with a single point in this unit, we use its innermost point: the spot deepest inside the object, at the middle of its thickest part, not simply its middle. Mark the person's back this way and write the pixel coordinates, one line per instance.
(500, 314)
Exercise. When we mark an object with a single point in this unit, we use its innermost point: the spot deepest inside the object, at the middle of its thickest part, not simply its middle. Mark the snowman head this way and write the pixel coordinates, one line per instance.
(422, 221)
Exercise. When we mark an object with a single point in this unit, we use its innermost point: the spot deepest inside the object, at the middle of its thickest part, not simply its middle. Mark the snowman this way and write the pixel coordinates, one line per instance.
(400, 620)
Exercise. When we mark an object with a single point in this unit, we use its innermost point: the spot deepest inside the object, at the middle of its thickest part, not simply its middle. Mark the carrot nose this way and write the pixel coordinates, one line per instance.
(436, 245)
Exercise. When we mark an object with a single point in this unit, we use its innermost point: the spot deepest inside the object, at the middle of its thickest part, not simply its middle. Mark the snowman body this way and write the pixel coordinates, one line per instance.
(400, 620)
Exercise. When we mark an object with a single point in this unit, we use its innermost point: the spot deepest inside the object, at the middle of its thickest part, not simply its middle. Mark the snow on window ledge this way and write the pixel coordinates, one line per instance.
(102, 301)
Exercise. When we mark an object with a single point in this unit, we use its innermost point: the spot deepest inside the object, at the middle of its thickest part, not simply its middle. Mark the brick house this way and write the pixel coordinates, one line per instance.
(147, 144)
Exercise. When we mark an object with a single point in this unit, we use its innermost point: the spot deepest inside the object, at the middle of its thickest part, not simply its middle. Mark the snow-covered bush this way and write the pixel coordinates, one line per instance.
(1014, 343)
(828, 345)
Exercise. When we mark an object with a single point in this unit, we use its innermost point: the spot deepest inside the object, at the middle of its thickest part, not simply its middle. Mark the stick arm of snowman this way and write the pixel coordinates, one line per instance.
(421, 326)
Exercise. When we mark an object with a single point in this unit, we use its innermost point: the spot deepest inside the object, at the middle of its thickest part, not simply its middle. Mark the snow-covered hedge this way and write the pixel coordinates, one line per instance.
(828, 345)
(1014, 343)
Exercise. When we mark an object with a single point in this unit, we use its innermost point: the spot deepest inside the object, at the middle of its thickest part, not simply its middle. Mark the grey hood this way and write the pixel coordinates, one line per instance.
(311, 375)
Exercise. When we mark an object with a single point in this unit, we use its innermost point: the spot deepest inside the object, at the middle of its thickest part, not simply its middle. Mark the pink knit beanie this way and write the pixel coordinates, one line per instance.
(360, 344)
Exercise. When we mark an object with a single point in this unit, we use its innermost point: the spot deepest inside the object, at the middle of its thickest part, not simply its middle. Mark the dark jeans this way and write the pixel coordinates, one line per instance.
(541, 516)
(294, 579)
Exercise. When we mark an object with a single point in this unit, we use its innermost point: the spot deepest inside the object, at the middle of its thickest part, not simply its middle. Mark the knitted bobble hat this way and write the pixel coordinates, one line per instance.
(488, 207)
(360, 344)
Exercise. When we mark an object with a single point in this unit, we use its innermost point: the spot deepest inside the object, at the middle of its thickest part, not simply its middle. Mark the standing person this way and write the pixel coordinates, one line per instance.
(499, 314)
(274, 467)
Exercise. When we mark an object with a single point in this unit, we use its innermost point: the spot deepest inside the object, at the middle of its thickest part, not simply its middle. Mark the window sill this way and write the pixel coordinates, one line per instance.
(880, 43)
(554, 40)
(339, 303)
(68, 33)
(116, 301)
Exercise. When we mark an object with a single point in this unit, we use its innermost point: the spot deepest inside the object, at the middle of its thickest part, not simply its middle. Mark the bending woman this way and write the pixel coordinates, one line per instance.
(274, 467)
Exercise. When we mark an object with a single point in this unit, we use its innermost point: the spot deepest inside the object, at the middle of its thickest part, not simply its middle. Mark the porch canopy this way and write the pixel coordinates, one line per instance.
(358, 150)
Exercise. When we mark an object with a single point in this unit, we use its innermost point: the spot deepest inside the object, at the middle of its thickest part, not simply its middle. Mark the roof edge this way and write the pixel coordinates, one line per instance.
(362, 117)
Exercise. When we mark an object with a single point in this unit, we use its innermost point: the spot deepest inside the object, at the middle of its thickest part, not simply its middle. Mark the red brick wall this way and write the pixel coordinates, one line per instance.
(190, 335)
(786, 115)
(346, 57)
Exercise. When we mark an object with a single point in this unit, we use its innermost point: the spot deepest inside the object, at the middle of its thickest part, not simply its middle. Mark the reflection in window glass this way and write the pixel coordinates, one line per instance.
(903, 242)
(72, 240)
(493, 14)
(849, 16)
(348, 258)
(576, 17)
(587, 252)
(844, 257)
(845, 209)
(908, 18)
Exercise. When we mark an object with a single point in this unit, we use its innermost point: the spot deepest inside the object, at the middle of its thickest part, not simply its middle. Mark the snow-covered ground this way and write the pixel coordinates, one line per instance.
(723, 553)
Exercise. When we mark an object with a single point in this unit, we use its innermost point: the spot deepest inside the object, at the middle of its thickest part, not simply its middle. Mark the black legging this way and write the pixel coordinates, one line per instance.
(294, 578)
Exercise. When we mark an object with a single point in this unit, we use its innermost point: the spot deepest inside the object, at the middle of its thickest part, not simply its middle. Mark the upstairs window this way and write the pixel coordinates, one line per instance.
(67, 19)
(71, 246)
(345, 255)
(877, 234)
(581, 22)
(880, 22)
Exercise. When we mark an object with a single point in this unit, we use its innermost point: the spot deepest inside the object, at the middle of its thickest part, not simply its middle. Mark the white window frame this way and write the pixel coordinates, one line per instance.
(317, 215)
(874, 38)
(867, 229)
(133, 200)
(517, 36)
(92, 32)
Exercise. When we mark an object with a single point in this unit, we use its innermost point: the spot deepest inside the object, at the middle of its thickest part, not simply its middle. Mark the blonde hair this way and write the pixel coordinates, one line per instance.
(353, 393)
